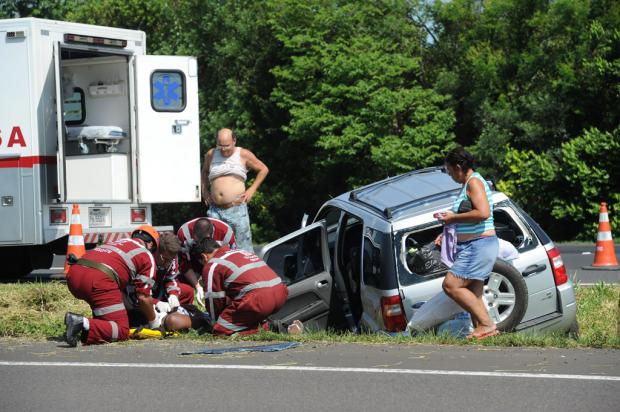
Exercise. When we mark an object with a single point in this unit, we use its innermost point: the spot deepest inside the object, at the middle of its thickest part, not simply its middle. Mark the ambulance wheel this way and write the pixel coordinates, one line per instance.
(16, 262)
(21, 260)
(505, 294)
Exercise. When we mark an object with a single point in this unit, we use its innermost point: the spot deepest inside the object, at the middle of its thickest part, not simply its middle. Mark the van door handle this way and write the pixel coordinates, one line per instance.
(320, 284)
(533, 269)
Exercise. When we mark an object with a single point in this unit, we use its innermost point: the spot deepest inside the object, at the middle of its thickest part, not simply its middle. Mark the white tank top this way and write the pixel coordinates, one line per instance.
(221, 166)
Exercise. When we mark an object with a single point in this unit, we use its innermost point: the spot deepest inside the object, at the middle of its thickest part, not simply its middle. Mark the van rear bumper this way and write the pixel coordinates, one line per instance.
(562, 320)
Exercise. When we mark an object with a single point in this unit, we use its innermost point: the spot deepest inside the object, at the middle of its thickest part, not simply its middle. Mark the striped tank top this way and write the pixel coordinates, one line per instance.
(474, 228)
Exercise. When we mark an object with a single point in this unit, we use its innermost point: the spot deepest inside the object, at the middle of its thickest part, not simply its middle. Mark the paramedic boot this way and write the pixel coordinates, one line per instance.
(75, 325)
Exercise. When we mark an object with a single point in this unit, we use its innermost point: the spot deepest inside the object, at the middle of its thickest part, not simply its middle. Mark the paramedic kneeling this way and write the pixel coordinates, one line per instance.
(241, 290)
(188, 234)
(224, 173)
(107, 275)
(477, 245)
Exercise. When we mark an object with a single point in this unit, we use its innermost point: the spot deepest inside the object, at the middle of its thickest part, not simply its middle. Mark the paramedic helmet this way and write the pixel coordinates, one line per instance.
(147, 233)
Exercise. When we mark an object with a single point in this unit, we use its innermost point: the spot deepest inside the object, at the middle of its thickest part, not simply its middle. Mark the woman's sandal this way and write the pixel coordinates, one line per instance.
(483, 335)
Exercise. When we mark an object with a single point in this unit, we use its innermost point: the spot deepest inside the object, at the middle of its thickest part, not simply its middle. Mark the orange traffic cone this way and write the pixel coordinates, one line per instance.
(605, 254)
(76, 237)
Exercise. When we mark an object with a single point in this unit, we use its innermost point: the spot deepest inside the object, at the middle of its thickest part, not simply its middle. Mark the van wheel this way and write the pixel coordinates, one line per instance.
(506, 296)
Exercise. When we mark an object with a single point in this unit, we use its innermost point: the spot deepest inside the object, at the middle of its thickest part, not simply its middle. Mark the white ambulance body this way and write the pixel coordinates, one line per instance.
(87, 118)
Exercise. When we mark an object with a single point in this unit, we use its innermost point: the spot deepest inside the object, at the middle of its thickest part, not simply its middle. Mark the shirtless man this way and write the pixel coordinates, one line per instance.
(224, 173)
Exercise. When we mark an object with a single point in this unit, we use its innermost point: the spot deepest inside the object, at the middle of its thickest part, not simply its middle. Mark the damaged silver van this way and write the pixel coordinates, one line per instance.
(351, 268)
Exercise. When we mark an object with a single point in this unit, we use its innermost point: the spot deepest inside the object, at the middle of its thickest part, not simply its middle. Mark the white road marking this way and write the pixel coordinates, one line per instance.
(318, 369)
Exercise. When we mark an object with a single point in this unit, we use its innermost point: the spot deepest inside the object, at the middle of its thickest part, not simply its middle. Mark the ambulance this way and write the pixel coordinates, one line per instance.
(87, 118)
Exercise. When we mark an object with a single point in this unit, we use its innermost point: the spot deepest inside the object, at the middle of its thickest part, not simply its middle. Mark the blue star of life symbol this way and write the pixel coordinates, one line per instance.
(166, 90)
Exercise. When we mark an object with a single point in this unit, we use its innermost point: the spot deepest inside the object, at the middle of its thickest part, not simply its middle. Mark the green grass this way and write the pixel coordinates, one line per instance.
(36, 311)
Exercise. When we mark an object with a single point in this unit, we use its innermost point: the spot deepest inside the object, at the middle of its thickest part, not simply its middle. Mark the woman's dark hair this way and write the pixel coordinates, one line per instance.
(461, 157)
(204, 245)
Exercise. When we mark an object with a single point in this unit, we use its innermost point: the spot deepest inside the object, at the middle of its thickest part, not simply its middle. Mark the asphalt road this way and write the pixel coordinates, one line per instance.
(575, 257)
(578, 256)
(313, 377)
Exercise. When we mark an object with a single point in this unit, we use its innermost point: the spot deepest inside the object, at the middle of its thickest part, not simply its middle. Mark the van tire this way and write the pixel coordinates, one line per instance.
(506, 279)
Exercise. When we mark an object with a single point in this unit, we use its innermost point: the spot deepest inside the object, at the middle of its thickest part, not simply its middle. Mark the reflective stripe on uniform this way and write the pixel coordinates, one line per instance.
(215, 295)
(240, 271)
(258, 285)
(210, 289)
(228, 236)
(108, 309)
(185, 229)
(145, 279)
(230, 326)
(123, 254)
(114, 330)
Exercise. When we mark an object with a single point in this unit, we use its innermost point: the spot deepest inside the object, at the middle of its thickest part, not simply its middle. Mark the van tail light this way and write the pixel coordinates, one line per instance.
(557, 266)
(393, 313)
(58, 216)
(138, 215)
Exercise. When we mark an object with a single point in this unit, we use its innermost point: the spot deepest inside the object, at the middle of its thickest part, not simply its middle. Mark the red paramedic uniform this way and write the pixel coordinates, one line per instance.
(166, 282)
(242, 291)
(222, 234)
(134, 267)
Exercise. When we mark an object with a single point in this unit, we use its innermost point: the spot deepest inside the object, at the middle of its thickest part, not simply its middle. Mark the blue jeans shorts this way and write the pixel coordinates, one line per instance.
(475, 258)
(238, 219)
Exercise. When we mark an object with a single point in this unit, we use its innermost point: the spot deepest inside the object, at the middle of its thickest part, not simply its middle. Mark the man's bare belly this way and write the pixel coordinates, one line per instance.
(226, 190)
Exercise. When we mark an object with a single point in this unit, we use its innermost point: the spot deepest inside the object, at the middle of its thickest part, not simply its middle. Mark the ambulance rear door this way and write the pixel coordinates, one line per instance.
(168, 148)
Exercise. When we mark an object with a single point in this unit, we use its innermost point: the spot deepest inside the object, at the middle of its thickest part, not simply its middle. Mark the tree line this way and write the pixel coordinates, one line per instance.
(335, 94)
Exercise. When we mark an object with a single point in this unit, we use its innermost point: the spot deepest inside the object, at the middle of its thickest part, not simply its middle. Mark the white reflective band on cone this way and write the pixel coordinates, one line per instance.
(76, 240)
(603, 217)
(603, 236)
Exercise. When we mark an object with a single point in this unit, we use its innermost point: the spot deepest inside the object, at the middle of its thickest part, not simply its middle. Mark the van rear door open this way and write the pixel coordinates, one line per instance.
(166, 104)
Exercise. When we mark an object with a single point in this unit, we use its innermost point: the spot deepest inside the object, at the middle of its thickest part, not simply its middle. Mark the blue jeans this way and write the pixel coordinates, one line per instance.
(238, 218)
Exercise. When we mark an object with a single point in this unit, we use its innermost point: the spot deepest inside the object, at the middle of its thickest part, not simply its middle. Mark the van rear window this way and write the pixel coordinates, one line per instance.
(168, 91)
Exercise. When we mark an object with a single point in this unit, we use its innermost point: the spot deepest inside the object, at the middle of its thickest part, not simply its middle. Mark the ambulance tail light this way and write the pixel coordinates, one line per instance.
(58, 216)
(138, 215)
(393, 313)
(557, 266)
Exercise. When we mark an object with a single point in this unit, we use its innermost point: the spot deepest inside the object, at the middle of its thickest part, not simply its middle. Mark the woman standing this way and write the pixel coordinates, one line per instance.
(477, 245)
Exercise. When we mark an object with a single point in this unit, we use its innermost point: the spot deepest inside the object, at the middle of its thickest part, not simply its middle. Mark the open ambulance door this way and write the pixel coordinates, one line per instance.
(301, 259)
(168, 147)
(61, 193)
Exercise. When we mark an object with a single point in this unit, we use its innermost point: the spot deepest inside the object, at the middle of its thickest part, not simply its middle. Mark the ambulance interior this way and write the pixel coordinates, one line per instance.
(97, 143)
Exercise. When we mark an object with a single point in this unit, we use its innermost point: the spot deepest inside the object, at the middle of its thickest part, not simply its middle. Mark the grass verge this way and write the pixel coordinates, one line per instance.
(36, 311)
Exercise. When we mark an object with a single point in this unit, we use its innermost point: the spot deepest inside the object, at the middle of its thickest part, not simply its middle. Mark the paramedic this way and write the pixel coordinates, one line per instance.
(241, 290)
(477, 245)
(105, 277)
(189, 233)
(165, 291)
(224, 174)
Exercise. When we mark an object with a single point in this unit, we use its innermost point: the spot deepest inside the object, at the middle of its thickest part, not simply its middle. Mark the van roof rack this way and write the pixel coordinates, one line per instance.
(398, 189)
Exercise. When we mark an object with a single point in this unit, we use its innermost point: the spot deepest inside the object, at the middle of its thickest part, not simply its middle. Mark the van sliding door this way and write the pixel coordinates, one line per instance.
(168, 149)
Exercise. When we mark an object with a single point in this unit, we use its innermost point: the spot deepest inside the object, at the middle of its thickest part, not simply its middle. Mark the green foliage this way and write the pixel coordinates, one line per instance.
(332, 95)
(45, 9)
(354, 93)
(568, 185)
